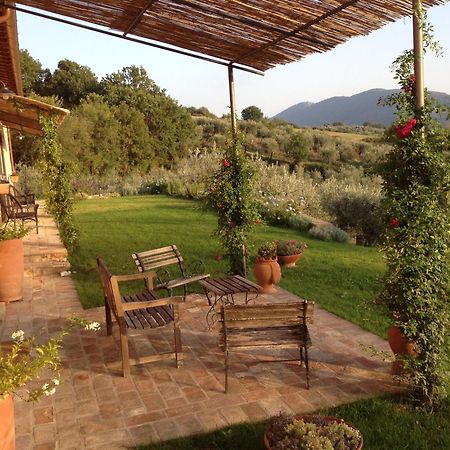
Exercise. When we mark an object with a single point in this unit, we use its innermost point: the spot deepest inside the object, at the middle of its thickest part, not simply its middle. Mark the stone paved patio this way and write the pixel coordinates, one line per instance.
(95, 408)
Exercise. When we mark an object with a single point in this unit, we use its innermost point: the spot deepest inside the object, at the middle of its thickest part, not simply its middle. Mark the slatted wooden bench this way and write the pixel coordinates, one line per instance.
(12, 210)
(268, 326)
(139, 311)
(161, 260)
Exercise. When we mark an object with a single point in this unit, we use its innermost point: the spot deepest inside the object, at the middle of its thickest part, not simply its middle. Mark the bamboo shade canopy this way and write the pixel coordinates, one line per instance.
(22, 113)
(254, 33)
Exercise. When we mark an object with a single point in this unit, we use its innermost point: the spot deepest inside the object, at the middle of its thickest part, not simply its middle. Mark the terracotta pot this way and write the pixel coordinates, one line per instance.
(14, 179)
(324, 420)
(7, 434)
(11, 270)
(4, 188)
(289, 260)
(401, 347)
(267, 273)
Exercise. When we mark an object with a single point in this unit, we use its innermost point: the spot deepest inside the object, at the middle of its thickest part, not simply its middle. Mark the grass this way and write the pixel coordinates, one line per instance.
(387, 423)
(343, 278)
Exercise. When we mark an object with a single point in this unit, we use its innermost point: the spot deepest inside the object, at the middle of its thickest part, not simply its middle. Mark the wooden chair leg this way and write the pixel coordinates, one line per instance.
(307, 367)
(108, 318)
(226, 371)
(124, 350)
(301, 357)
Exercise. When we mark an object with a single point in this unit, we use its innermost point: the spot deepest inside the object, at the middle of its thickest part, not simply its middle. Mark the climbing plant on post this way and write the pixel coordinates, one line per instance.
(416, 175)
(231, 194)
(57, 183)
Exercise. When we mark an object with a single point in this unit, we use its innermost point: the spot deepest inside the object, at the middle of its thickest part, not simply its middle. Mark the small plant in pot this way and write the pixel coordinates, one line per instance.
(266, 270)
(286, 432)
(289, 251)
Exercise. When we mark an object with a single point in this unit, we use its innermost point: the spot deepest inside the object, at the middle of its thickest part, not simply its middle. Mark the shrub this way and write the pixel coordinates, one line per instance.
(329, 233)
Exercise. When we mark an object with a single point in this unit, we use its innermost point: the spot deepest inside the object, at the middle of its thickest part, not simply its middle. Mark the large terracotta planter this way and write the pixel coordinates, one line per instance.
(401, 347)
(11, 270)
(4, 188)
(289, 260)
(325, 420)
(267, 273)
(7, 434)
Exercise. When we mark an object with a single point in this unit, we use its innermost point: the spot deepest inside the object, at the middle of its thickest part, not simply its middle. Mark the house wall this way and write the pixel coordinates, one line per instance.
(6, 162)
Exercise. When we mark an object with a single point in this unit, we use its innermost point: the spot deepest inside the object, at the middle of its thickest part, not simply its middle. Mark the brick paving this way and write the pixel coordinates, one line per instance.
(95, 408)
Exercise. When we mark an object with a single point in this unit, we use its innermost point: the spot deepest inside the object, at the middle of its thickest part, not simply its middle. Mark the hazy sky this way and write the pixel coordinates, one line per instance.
(360, 64)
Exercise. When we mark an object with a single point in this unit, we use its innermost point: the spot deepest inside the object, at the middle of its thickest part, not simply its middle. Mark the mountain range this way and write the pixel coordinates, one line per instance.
(354, 110)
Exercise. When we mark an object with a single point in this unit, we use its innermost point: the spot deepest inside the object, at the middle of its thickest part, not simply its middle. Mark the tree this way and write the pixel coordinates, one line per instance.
(31, 71)
(252, 113)
(72, 82)
(298, 147)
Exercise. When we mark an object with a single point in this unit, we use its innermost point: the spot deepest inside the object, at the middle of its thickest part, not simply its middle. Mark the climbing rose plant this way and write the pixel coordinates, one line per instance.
(231, 194)
(57, 183)
(416, 239)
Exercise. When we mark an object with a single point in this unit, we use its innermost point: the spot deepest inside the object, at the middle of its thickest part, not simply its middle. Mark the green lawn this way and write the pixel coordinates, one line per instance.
(343, 278)
(387, 423)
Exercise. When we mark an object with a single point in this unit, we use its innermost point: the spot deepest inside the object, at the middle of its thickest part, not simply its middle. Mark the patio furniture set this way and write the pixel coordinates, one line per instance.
(241, 326)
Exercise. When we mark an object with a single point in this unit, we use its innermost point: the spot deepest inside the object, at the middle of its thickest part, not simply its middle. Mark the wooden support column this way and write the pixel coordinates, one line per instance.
(418, 53)
(232, 102)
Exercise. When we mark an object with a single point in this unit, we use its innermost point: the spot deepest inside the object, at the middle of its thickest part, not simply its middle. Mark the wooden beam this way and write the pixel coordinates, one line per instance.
(300, 28)
(418, 53)
(138, 18)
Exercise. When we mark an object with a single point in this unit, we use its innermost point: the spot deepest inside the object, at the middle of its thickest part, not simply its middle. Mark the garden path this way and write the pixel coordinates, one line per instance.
(95, 408)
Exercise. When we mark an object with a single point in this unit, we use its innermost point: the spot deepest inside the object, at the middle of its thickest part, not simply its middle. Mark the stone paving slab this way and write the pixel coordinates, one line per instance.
(96, 408)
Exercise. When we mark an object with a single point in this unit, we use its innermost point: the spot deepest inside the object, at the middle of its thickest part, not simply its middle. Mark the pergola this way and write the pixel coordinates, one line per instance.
(250, 35)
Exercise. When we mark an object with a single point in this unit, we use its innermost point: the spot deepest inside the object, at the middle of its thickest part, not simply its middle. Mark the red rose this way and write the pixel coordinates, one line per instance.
(394, 222)
(226, 163)
(218, 257)
(403, 131)
(257, 221)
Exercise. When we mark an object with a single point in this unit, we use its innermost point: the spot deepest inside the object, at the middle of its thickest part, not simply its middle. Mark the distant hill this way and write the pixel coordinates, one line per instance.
(354, 110)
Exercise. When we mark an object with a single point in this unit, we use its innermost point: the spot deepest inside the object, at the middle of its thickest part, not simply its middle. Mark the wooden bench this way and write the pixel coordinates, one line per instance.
(13, 210)
(23, 199)
(139, 311)
(165, 258)
(281, 325)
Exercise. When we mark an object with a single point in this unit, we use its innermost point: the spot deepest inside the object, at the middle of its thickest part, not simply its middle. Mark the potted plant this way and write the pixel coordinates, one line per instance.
(4, 186)
(266, 269)
(11, 262)
(311, 432)
(23, 363)
(14, 178)
(289, 251)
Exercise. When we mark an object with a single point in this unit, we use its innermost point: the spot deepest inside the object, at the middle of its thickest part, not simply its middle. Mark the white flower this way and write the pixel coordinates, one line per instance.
(56, 381)
(92, 326)
(19, 335)
(45, 386)
(50, 392)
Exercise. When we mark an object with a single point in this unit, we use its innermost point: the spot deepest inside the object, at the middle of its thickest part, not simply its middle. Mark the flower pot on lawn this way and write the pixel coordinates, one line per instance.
(7, 433)
(289, 260)
(11, 270)
(267, 273)
(401, 348)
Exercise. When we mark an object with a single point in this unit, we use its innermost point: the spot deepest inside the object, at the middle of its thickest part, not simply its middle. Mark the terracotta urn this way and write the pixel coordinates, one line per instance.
(4, 188)
(11, 270)
(289, 260)
(7, 433)
(401, 347)
(14, 179)
(267, 273)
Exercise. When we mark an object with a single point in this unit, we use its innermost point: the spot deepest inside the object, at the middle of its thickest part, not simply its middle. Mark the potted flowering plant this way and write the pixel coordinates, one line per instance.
(289, 251)
(23, 362)
(266, 269)
(11, 262)
(311, 432)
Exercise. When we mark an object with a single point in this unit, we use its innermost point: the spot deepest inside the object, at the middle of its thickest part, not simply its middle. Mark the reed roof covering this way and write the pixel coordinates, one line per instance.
(254, 33)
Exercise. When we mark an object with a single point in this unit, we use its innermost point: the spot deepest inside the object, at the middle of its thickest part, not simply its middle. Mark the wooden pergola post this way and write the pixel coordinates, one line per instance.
(232, 102)
(418, 53)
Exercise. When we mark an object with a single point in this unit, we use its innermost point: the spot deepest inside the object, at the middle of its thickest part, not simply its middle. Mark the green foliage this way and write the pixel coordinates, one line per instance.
(328, 233)
(268, 250)
(416, 242)
(57, 183)
(31, 70)
(232, 194)
(290, 247)
(11, 231)
(27, 360)
(298, 147)
(252, 113)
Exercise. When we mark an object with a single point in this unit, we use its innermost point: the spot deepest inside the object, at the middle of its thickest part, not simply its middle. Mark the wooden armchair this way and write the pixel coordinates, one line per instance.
(160, 259)
(281, 325)
(13, 210)
(138, 311)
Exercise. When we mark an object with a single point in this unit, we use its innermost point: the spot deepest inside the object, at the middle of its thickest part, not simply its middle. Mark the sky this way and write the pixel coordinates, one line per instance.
(360, 64)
